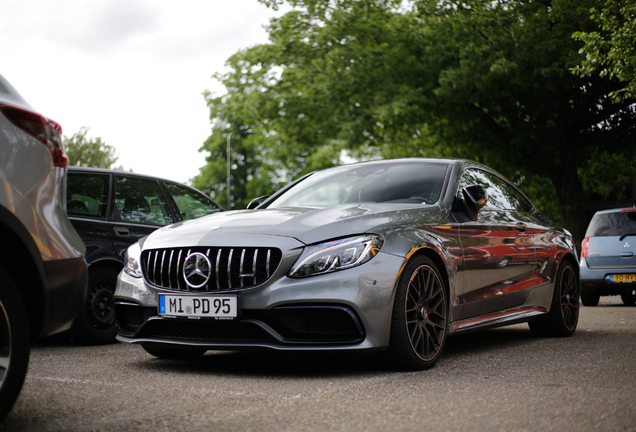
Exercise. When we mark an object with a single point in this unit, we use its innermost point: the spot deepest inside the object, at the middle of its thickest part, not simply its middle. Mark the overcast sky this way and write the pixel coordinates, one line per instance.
(131, 70)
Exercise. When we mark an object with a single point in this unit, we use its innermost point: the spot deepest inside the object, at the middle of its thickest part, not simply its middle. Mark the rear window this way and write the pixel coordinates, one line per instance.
(612, 224)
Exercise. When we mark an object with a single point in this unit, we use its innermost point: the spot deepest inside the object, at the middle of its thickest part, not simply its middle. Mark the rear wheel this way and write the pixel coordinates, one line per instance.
(628, 299)
(420, 311)
(96, 323)
(590, 299)
(563, 317)
(173, 353)
(14, 343)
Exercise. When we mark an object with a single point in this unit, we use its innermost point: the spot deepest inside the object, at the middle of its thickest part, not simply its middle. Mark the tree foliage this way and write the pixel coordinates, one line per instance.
(484, 80)
(612, 49)
(88, 152)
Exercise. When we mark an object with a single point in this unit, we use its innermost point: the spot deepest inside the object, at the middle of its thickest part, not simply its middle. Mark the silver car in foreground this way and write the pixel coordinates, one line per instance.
(391, 255)
(42, 266)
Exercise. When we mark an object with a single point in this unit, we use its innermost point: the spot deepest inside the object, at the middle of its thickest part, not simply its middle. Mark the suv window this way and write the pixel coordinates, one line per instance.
(87, 194)
(191, 204)
(141, 201)
(612, 224)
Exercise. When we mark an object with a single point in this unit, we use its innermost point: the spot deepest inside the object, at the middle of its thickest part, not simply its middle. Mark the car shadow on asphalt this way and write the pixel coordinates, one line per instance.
(321, 364)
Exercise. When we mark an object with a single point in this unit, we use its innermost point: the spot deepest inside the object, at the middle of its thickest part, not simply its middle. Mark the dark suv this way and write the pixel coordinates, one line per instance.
(42, 267)
(112, 210)
(608, 257)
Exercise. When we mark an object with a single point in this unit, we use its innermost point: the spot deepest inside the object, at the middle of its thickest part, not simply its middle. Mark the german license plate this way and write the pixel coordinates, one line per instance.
(219, 307)
(624, 278)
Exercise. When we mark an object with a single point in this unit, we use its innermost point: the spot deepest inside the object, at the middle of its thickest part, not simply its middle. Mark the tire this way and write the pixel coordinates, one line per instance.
(14, 343)
(590, 299)
(628, 299)
(96, 323)
(420, 314)
(173, 353)
(563, 317)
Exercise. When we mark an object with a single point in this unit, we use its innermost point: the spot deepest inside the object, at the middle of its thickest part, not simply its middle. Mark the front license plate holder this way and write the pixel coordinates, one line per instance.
(623, 278)
(220, 307)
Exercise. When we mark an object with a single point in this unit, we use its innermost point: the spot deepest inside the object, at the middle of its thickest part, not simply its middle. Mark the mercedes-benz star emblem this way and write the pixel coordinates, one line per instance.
(197, 270)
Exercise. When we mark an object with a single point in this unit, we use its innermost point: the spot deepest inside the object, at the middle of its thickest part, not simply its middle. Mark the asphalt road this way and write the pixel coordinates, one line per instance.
(496, 380)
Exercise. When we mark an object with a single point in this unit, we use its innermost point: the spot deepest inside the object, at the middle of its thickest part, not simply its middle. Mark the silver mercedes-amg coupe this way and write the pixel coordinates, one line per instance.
(391, 255)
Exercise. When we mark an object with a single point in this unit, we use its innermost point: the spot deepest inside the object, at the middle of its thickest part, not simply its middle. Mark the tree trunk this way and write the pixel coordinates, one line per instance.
(571, 200)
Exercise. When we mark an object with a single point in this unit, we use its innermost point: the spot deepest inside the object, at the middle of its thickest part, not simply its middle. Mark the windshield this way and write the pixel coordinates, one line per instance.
(391, 182)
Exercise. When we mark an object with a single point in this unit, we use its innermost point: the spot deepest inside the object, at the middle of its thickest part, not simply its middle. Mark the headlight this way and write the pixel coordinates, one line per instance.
(336, 255)
(133, 256)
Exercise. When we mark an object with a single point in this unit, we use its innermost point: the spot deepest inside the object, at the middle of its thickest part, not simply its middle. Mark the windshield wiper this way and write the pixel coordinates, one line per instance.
(626, 235)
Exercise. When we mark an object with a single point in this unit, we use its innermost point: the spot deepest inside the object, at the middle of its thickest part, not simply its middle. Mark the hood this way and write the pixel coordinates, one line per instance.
(305, 224)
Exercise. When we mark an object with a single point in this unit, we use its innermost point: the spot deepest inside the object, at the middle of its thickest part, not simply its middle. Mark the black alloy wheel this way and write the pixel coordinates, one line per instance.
(96, 323)
(14, 343)
(420, 313)
(563, 317)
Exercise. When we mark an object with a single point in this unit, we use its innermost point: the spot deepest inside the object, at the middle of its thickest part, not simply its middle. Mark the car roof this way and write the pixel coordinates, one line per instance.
(8, 94)
(615, 210)
(126, 173)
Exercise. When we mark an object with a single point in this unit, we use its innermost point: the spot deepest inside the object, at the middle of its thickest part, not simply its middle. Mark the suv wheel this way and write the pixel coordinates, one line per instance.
(590, 299)
(628, 299)
(14, 343)
(96, 323)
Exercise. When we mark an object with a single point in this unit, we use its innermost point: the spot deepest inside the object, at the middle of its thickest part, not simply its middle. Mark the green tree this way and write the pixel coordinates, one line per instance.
(484, 80)
(88, 152)
(612, 49)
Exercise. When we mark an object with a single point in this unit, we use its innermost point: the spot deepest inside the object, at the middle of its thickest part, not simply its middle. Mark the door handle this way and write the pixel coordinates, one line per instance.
(121, 231)
(521, 227)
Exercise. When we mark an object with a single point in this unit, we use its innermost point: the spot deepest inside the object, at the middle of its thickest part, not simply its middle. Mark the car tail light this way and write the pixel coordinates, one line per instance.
(584, 246)
(628, 211)
(41, 128)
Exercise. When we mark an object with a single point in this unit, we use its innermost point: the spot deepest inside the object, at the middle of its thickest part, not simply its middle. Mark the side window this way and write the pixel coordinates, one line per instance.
(191, 204)
(482, 178)
(501, 196)
(86, 194)
(515, 200)
(141, 201)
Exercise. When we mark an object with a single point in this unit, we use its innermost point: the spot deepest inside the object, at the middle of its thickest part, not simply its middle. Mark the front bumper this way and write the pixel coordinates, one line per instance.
(598, 281)
(344, 310)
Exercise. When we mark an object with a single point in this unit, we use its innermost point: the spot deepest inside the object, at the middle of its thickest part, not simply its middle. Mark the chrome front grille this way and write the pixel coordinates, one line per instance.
(230, 268)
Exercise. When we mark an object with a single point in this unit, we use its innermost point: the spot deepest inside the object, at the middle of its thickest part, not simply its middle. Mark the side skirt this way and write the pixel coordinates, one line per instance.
(497, 319)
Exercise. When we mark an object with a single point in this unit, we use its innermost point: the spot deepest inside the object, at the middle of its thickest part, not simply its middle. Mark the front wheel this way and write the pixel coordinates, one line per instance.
(420, 313)
(96, 323)
(14, 343)
(173, 353)
(563, 317)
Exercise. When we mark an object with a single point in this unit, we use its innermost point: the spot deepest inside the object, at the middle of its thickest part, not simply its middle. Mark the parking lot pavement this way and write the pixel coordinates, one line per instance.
(501, 379)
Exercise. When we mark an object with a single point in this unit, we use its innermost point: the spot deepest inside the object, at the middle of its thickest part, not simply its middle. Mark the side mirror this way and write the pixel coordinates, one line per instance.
(256, 202)
(475, 198)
